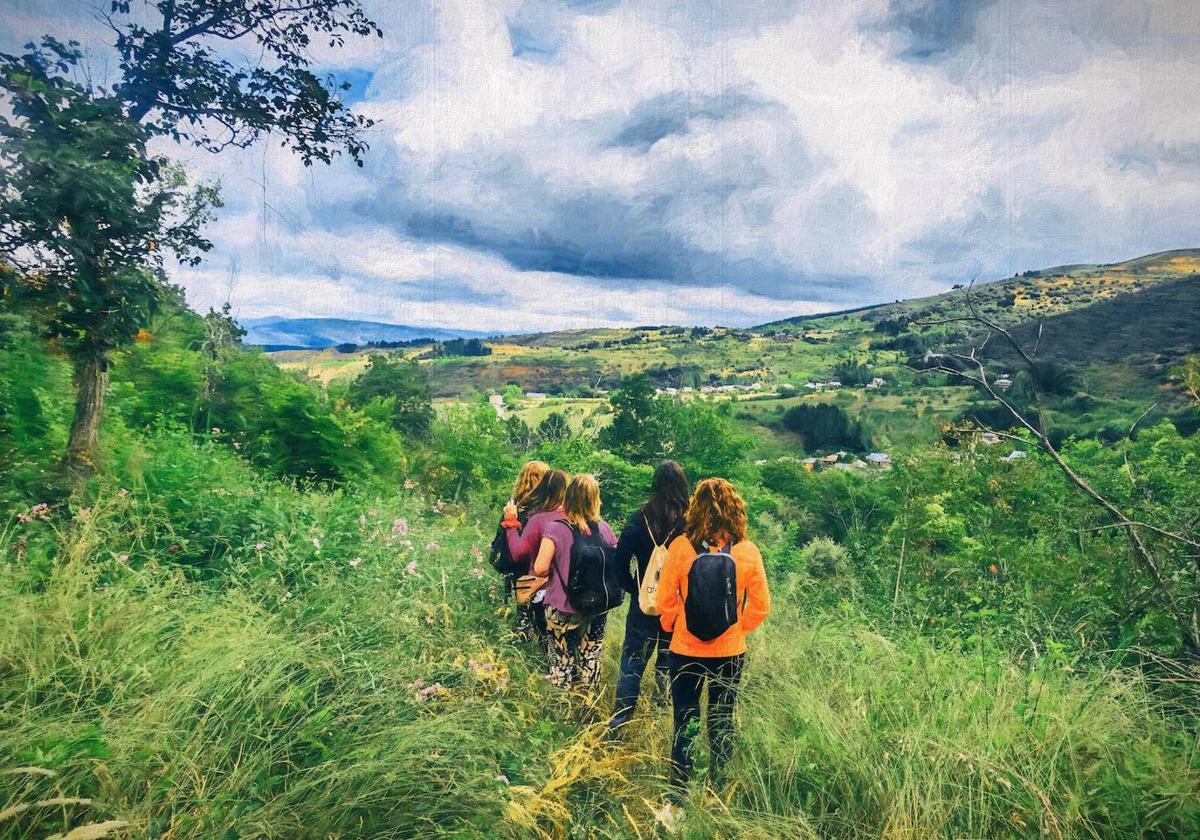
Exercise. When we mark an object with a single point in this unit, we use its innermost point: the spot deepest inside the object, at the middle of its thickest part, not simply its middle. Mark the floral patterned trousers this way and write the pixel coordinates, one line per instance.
(573, 644)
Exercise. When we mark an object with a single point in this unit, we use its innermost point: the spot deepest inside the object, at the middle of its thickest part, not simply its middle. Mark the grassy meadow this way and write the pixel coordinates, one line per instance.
(268, 613)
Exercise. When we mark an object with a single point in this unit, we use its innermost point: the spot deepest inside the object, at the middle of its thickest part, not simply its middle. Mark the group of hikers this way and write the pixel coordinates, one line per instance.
(696, 584)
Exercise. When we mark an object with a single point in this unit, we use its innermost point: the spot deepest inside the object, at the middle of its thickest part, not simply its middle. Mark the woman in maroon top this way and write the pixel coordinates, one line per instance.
(575, 639)
(523, 532)
(545, 506)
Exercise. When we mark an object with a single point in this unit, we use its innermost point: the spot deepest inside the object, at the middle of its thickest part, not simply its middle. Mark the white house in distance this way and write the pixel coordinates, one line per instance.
(879, 459)
(876, 382)
(1015, 455)
(1004, 382)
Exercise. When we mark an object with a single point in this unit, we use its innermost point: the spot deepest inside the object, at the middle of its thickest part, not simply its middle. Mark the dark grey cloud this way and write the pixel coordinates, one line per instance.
(929, 30)
(673, 113)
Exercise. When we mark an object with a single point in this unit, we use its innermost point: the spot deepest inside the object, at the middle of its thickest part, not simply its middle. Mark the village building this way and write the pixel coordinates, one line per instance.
(876, 382)
(879, 459)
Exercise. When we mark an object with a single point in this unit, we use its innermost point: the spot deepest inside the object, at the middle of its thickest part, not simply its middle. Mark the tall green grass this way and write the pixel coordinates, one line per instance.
(210, 654)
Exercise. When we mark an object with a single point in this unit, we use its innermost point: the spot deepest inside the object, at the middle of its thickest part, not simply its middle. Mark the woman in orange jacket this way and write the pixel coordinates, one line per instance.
(725, 596)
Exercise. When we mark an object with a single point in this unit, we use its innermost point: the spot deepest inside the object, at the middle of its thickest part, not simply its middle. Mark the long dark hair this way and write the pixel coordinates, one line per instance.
(668, 503)
(549, 493)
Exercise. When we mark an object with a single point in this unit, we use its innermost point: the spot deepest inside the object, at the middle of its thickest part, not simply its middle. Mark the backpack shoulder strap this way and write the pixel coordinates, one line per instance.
(650, 532)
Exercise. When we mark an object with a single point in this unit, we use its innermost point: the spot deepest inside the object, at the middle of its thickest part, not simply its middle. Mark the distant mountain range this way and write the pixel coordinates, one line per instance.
(276, 333)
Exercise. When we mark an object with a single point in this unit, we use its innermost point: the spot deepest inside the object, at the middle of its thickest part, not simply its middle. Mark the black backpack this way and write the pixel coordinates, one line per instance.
(711, 605)
(500, 558)
(593, 584)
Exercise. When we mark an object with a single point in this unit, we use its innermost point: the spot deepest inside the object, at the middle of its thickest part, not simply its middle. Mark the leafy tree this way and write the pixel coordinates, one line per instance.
(825, 426)
(554, 428)
(97, 262)
(463, 347)
(637, 427)
(647, 428)
(87, 217)
(403, 385)
(177, 79)
(851, 372)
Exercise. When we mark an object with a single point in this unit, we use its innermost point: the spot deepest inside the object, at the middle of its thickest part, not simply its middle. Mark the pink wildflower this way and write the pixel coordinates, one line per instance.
(477, 553)
(400, 527)
(411, 568)
(259, 546)
(478, 572)
(432, 546)
(122, 558)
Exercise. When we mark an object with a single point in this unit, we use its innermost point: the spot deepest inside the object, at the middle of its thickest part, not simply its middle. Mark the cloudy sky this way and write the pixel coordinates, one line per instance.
(556, 163)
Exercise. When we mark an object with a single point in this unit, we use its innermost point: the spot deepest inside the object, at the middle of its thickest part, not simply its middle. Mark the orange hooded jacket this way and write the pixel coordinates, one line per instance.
(754, 601)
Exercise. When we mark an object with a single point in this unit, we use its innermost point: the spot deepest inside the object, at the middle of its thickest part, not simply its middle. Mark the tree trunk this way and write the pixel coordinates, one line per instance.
(91, 383)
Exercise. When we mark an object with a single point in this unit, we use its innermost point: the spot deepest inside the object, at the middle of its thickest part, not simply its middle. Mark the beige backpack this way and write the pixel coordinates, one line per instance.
(648, 585)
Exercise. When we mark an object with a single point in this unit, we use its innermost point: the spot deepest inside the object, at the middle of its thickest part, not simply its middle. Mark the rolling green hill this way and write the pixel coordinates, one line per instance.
(1112, 331)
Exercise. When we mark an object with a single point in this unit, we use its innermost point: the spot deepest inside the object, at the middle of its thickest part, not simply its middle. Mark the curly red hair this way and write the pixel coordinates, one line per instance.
(716, 510)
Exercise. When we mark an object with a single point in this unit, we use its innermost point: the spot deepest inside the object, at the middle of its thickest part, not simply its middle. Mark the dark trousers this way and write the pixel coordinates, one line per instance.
(688, 677)
(643, 636)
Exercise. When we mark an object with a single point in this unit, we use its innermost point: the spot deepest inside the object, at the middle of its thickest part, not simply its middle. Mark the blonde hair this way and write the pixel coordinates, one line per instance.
(527, 481)
(582, 504)
(716, 510)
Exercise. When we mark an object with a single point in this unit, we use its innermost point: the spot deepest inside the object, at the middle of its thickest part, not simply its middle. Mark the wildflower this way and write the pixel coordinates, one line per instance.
(216, 431)
(429, 620)
(42, 511)
(122, 558)
(502, 779)
(411, 568)
(316, 543)
(287, 596)
(993, 569)
(409, 484)
(400, 527)
(259, 546)
(424, 692)
(478, 572)
(432, 546)
(356, 562)
(362, 519)
(477, 553)
(373, 512)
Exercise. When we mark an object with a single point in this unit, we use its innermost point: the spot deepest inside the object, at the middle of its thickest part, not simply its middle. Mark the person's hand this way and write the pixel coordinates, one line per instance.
(510, 510)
